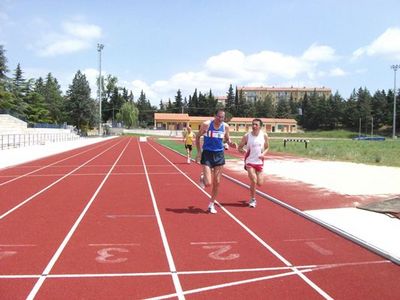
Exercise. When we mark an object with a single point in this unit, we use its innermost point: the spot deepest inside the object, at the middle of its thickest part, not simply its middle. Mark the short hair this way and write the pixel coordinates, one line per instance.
(258, 120)
(218, 110)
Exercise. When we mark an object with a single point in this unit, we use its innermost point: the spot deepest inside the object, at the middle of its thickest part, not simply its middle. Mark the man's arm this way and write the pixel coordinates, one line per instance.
(266, 145)
(228, 138)
(203, 129)
(242, 143)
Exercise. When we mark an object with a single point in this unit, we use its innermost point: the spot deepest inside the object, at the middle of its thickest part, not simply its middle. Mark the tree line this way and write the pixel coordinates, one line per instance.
(42, 101)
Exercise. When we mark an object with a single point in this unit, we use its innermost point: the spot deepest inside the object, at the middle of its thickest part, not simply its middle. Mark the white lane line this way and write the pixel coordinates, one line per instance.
(233, 283)
(129, 216)
(201, 272)
(305, 240)
(168, 253)
(255, 236)
(37, 170)
(52, 184)
(212, 243)
(318, 248)
(60, 249)
(130, 244)
(18, 245)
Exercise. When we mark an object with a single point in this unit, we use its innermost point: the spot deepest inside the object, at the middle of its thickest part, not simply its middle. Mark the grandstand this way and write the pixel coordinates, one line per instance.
(15, 133)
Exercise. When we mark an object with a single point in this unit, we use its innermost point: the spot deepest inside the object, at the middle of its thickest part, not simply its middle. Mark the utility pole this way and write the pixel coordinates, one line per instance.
(395, 68)
(99, 48)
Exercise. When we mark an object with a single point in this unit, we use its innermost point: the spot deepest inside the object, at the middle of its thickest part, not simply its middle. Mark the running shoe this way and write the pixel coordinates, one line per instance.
(253, 203)
(188, 160)
(211, 209)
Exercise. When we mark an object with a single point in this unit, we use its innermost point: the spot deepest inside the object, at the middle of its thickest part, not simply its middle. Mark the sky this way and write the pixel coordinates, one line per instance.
(160, 46)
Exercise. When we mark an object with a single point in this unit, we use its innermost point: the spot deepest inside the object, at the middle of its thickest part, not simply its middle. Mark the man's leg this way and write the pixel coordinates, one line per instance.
(216, 179)
(251, 172)
(217, 171)
(253, 181)
(207, 176)
(260, 178)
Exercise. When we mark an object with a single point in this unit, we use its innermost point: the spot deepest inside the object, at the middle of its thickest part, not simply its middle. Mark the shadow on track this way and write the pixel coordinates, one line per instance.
(189, 210)
(242, 203)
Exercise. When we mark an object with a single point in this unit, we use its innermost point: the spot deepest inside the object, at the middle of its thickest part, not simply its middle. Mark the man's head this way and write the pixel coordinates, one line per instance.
(256, 124)
(219, 116)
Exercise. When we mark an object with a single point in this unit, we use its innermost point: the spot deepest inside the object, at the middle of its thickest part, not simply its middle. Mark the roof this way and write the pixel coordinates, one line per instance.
(287, 89)
(265, 120)
(186, 118)
(171, 116)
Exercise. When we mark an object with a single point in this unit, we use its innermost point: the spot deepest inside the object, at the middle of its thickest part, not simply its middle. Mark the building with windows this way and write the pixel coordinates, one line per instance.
(173, 121)
(280, 93)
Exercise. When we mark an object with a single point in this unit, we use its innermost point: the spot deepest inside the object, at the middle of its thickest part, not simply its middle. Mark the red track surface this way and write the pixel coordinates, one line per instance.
(124, 219)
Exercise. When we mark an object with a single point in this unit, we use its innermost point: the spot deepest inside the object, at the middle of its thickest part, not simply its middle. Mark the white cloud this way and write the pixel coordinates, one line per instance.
(64, 45)
(74, 37)
(337, 72)
(270, 64)
(319, 53)
(84, 31)
(237, 68)
(386, 45)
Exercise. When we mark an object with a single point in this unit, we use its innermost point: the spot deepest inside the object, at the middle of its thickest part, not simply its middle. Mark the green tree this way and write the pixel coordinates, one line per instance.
(80, 108)
(19, 89)
(53, 99)
(3, 66)
(128, 114)
(146, 111)
(36, 110)
(193, 104)
(178, 103)
(283, 109)
(230, 101)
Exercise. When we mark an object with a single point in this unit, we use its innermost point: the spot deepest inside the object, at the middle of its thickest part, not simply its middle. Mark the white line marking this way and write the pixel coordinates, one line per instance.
(131, 244)
(212, 243)
(34, 171)
(52, 184)
(219, 286)
(318, 248)
(255, 236)
(60, 249)
(175, 278)
(99, 275)
(129, 216)
(304, 240)
(23, 245)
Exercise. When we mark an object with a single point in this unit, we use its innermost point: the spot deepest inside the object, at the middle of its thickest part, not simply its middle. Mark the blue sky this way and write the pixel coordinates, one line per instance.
(160, 46)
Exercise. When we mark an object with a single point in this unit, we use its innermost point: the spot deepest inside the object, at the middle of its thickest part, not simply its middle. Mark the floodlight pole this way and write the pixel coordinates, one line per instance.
(395, 68)
(99, 48)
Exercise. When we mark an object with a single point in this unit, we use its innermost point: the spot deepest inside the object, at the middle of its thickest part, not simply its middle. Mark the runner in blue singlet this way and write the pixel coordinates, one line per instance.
(215, 133)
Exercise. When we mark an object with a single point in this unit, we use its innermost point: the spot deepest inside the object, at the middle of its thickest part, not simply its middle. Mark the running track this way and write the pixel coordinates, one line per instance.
(124, 219)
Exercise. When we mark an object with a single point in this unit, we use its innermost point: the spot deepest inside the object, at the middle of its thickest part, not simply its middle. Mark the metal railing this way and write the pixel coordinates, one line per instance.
(8, 141)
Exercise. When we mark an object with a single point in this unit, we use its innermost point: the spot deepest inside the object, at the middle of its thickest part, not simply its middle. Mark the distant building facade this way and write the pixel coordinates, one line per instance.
(280, 93)
(173, 121)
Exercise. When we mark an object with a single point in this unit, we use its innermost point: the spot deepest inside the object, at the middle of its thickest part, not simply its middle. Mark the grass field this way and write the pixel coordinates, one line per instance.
(381, 153)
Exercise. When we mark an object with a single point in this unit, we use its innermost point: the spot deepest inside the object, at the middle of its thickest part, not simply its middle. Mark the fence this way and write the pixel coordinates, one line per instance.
(8, 141)
(296, 140)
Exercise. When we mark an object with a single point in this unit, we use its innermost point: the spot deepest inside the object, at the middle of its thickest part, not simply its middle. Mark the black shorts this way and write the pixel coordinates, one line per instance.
(188, 147)
(212, 159)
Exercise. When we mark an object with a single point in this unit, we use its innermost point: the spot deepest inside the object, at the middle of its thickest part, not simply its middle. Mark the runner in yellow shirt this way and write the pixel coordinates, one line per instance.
(188, 139)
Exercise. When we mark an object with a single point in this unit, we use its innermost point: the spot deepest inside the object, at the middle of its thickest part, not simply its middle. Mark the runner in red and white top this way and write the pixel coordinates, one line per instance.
(257, 146)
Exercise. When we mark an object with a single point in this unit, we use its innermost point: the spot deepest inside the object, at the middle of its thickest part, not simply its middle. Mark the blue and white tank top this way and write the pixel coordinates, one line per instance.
(213, 138)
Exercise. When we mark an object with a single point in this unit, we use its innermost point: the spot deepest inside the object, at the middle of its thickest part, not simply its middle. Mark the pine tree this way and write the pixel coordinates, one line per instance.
(230, 101)
(54, 99)
(178, 103)
(80, 108)
(3, 66)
